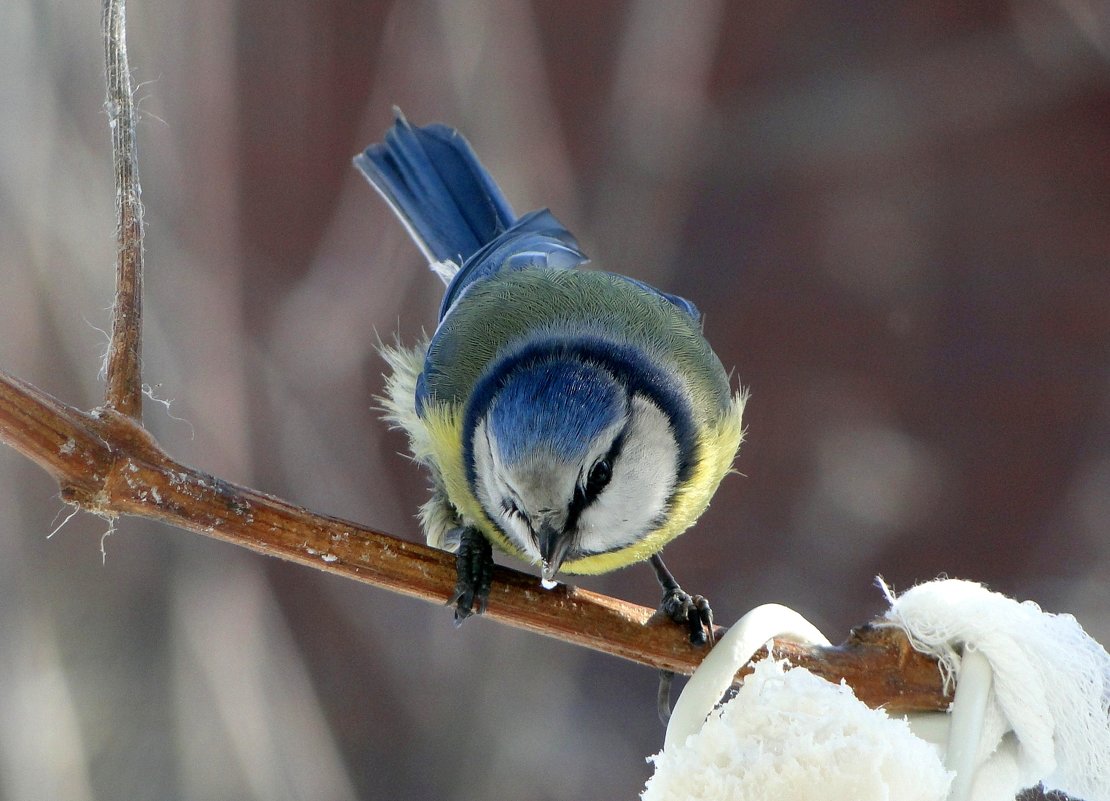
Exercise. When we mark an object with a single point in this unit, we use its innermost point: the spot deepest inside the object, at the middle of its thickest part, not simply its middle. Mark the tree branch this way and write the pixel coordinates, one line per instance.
(124, 375)
(108, 464)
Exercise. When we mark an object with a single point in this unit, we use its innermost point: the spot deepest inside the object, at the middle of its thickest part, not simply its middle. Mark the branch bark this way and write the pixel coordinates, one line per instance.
(108, 464)
(123, 392)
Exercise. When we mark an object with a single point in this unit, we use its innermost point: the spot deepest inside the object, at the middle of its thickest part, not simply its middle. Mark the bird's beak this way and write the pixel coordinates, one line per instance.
(554, 544)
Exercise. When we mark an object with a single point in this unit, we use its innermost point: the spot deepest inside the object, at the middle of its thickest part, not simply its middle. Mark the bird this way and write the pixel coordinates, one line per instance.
(573, 418)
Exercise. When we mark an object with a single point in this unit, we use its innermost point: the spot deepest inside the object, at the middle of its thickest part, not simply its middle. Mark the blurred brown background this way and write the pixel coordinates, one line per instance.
(895, 217)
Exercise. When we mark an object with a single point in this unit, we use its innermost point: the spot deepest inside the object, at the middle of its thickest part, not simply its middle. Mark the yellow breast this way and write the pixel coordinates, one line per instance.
(716, 449)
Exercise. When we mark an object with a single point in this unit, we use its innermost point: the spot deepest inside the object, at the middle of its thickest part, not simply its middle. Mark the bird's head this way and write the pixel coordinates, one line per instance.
(568, 460)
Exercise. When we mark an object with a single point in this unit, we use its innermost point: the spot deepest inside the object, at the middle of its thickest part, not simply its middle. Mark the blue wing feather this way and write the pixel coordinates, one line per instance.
(535, 240)
(681, 303)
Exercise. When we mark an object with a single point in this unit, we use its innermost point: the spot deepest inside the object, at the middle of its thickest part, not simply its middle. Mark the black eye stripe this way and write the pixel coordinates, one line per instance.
(584, 494)
(598, 478)
(602, 472)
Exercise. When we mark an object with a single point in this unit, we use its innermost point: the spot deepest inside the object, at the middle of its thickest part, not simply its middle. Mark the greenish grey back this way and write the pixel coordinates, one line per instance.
(515, 309)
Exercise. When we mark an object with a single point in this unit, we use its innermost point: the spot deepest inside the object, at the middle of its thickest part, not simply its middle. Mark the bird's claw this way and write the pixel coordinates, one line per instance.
(691, 611)
(474, 570)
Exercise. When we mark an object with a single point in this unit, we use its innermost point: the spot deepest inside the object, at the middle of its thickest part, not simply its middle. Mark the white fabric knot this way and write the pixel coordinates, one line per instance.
(1048, 717)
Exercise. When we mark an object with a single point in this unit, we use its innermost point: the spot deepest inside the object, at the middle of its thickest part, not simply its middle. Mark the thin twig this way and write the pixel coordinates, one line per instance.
(110, 465)
(124, 379)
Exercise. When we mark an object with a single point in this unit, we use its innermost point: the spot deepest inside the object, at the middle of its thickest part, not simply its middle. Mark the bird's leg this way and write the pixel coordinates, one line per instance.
(663, 697)
(474, 563)
(691, 611)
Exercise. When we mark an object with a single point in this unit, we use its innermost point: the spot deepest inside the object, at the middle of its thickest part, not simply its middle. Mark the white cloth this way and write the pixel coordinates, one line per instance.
(1048, 717)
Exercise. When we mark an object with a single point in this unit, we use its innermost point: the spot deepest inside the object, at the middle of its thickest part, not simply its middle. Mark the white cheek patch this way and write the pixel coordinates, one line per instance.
(490, 489)
(644, 477)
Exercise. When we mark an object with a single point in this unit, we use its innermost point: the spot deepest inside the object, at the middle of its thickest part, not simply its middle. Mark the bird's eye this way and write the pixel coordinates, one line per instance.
(598, 478)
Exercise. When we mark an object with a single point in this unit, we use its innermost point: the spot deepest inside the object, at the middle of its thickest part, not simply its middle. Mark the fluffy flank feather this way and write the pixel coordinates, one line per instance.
(440, 523)
(438, 517)
(398, 402)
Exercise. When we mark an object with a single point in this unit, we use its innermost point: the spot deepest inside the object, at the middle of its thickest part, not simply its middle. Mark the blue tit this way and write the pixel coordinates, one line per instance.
(572, 418)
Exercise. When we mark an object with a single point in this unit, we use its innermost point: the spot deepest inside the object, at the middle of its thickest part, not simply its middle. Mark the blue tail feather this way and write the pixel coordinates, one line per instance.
(456, 212)
(436, 185)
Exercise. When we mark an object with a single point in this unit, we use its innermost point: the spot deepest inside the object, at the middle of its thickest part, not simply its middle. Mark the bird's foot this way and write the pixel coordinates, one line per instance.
(691, 611)
(474, 565)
